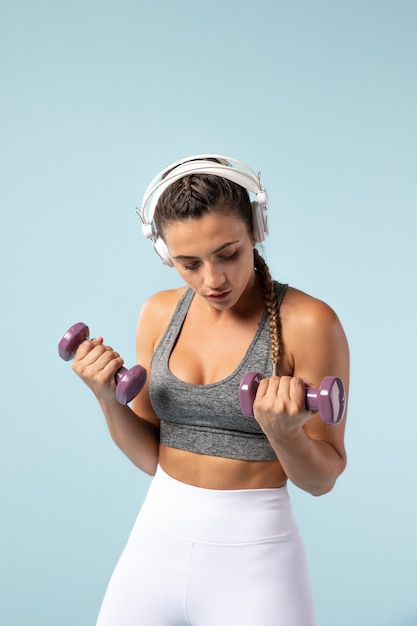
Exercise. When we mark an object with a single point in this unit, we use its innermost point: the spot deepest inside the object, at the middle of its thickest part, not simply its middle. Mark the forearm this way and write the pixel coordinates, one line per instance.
(136, 437)
(311, 464)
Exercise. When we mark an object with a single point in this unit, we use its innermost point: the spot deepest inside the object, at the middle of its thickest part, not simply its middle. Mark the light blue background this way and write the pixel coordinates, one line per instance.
(95, 98)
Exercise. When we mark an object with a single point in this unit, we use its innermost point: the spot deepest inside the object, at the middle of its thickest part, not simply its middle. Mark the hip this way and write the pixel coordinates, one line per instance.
(218, 516)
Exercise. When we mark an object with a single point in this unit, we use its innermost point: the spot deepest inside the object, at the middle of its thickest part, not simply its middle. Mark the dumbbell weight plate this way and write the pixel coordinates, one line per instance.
(74, 336)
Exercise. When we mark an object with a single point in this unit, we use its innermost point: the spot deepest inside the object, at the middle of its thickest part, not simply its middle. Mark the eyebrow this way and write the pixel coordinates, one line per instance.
(219, 249)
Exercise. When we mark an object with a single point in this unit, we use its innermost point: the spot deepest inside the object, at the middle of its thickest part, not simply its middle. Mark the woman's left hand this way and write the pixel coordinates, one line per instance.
(279, 406)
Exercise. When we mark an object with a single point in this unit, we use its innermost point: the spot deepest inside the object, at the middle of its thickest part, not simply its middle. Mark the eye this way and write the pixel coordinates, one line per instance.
(191, 266)
(229, 257)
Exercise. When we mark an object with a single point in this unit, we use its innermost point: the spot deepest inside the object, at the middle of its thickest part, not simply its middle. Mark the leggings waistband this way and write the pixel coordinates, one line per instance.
(218, 516)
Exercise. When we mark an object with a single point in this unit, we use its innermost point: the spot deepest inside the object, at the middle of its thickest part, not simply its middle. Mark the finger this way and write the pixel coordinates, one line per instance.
(98, 358)
(267, 385)
(291, 394)
(283, 392)
(268, 389)
(297, 390)
(87, 346)
(267, 395)
(105, 357)
(105, 368)
(107, 363)
(288, 399)
(97, 351)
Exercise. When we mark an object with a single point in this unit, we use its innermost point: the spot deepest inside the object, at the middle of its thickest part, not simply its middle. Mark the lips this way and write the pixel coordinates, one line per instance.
(218, 296)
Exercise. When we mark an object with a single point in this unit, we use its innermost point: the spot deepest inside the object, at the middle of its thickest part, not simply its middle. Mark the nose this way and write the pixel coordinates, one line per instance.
(214, 277)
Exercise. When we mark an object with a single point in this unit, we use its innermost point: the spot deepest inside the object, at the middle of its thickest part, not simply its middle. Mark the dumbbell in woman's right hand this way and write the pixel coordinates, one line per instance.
(128, 382)
(329, 399)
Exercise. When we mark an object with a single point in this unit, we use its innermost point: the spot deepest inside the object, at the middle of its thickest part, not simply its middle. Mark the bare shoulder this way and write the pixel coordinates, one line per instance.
(303, 311)
(311, 330)
(160, 301)
(157, 311)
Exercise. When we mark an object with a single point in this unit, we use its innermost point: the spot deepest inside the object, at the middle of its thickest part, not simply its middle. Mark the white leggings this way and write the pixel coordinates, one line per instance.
(202, 557)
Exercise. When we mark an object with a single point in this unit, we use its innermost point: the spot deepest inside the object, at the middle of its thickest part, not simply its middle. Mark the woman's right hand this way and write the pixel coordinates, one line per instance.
(97, 364)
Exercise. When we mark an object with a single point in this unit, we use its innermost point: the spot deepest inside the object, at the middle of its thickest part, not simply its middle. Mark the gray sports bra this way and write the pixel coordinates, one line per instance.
(206, 419)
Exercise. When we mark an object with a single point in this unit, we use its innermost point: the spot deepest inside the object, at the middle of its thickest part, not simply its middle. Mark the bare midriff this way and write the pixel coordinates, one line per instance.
(211, 472)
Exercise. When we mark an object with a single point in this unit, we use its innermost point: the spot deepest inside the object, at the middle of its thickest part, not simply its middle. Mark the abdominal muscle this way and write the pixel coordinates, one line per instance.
(211, 472)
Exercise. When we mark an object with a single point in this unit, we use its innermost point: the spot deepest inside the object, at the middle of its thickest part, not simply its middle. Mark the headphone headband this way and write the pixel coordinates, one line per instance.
(224, 167)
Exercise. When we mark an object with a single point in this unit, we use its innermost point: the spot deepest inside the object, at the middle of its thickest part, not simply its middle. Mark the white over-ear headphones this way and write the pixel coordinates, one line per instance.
(225, 167)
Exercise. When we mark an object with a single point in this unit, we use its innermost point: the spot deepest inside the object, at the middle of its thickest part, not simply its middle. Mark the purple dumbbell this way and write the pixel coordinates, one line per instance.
(129, 382)
(329, 399)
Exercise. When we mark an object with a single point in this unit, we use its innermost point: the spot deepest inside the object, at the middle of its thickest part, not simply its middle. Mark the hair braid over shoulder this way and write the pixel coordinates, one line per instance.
(271, 308)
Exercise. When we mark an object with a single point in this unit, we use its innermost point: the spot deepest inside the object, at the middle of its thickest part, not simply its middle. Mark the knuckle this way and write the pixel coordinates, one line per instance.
(294, 409)
(297, 381)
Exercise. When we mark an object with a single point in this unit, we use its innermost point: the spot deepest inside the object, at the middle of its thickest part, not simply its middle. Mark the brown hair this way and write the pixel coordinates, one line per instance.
(196, 195)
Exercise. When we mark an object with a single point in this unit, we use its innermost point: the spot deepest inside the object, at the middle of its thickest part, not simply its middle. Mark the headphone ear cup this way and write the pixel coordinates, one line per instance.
(259, 222)
(162, 251)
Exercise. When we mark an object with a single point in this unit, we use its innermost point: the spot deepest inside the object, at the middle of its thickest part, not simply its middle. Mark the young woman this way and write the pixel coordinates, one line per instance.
(215, 542)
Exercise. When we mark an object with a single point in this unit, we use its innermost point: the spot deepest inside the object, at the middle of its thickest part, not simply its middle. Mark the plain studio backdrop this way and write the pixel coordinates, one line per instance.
(95, 98)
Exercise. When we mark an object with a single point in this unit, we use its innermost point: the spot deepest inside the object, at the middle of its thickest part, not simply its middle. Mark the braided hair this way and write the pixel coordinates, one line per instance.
(272, 308)
(195, 195)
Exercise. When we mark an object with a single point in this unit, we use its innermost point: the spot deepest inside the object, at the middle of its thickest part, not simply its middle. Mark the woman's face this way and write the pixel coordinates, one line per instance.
(214, 256)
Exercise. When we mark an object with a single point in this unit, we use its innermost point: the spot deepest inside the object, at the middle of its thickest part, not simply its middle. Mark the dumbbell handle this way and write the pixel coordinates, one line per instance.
(128, 382)
(329, 399)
